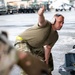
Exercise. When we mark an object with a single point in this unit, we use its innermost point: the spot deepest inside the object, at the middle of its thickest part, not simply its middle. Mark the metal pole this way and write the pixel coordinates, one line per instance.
(35, 1)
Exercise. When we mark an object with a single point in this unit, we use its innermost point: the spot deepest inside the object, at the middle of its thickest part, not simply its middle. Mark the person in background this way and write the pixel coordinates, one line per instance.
(40, 38)
(7, 54)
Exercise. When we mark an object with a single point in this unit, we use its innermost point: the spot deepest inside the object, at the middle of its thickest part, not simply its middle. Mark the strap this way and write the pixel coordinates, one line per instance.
(19, 38)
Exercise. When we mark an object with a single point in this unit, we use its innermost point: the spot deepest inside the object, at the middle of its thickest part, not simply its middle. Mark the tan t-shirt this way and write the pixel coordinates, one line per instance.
(38, 36)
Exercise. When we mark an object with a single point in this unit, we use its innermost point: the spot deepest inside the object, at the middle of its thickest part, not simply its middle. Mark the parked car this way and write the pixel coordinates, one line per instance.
(63, 7)
(22, 9)
(60, 7)
(35, 6)
(12, 9)
(67, 7)
(3, 10)
(57, 7)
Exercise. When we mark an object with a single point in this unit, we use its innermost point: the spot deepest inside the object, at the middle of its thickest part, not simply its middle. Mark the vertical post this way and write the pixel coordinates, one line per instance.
(35, 1)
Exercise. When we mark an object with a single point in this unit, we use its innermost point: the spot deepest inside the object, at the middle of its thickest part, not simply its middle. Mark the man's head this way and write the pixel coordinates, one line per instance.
(57, 21)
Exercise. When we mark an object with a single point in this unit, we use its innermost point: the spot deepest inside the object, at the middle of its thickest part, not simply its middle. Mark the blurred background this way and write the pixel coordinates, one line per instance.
(32, 6)
(18, 15)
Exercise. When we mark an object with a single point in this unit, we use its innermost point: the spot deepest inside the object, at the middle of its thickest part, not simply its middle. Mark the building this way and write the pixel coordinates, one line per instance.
(16, 2)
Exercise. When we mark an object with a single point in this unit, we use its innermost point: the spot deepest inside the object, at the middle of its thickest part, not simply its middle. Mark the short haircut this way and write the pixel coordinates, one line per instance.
(57, 15)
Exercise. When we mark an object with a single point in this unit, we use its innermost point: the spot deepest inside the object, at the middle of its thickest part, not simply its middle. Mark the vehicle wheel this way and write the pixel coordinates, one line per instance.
(69, 9)
(74, 47)
(61, 10)
(56, 9)
(72, 72)
(64, 9)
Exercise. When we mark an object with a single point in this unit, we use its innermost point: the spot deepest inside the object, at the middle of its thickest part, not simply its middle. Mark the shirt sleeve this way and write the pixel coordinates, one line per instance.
(53, 43)
(44, 25)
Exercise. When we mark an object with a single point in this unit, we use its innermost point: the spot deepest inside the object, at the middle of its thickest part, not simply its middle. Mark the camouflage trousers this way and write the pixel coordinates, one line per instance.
(36, 51)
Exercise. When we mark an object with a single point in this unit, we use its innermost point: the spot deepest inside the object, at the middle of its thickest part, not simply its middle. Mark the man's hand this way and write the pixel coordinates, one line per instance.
(21, 55)
(46, 61)
(41, 11)
(41, 20)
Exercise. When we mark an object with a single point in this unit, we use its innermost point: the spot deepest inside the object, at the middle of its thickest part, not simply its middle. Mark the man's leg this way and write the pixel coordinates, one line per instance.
(21, 48)
(51, 66)
(40, 52)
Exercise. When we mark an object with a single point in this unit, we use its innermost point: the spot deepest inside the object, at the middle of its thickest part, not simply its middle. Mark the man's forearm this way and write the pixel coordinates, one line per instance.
(41, 18)
(47, 53)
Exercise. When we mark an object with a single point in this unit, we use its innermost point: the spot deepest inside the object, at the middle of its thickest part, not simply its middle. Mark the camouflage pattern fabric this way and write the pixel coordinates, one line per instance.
(39, 52)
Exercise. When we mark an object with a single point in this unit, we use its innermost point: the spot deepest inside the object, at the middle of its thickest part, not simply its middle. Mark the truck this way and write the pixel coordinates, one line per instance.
(3, 8)
(11, 7)
(22, 9)
(6, 8)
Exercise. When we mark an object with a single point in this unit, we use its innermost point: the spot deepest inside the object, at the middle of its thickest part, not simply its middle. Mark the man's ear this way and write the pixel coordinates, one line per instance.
(53, 20)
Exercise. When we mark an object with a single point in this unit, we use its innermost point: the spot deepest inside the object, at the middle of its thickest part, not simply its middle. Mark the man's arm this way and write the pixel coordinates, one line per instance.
(41, 18)
(47, 49)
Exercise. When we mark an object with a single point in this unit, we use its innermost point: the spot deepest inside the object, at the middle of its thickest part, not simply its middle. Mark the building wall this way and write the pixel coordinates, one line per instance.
(12, 0)
(16, 2)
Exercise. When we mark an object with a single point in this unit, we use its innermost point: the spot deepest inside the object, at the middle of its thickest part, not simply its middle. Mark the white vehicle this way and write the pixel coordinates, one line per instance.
(6, 8)
(56, 7)
(67, 7)
(59, 8)
(3, 8)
